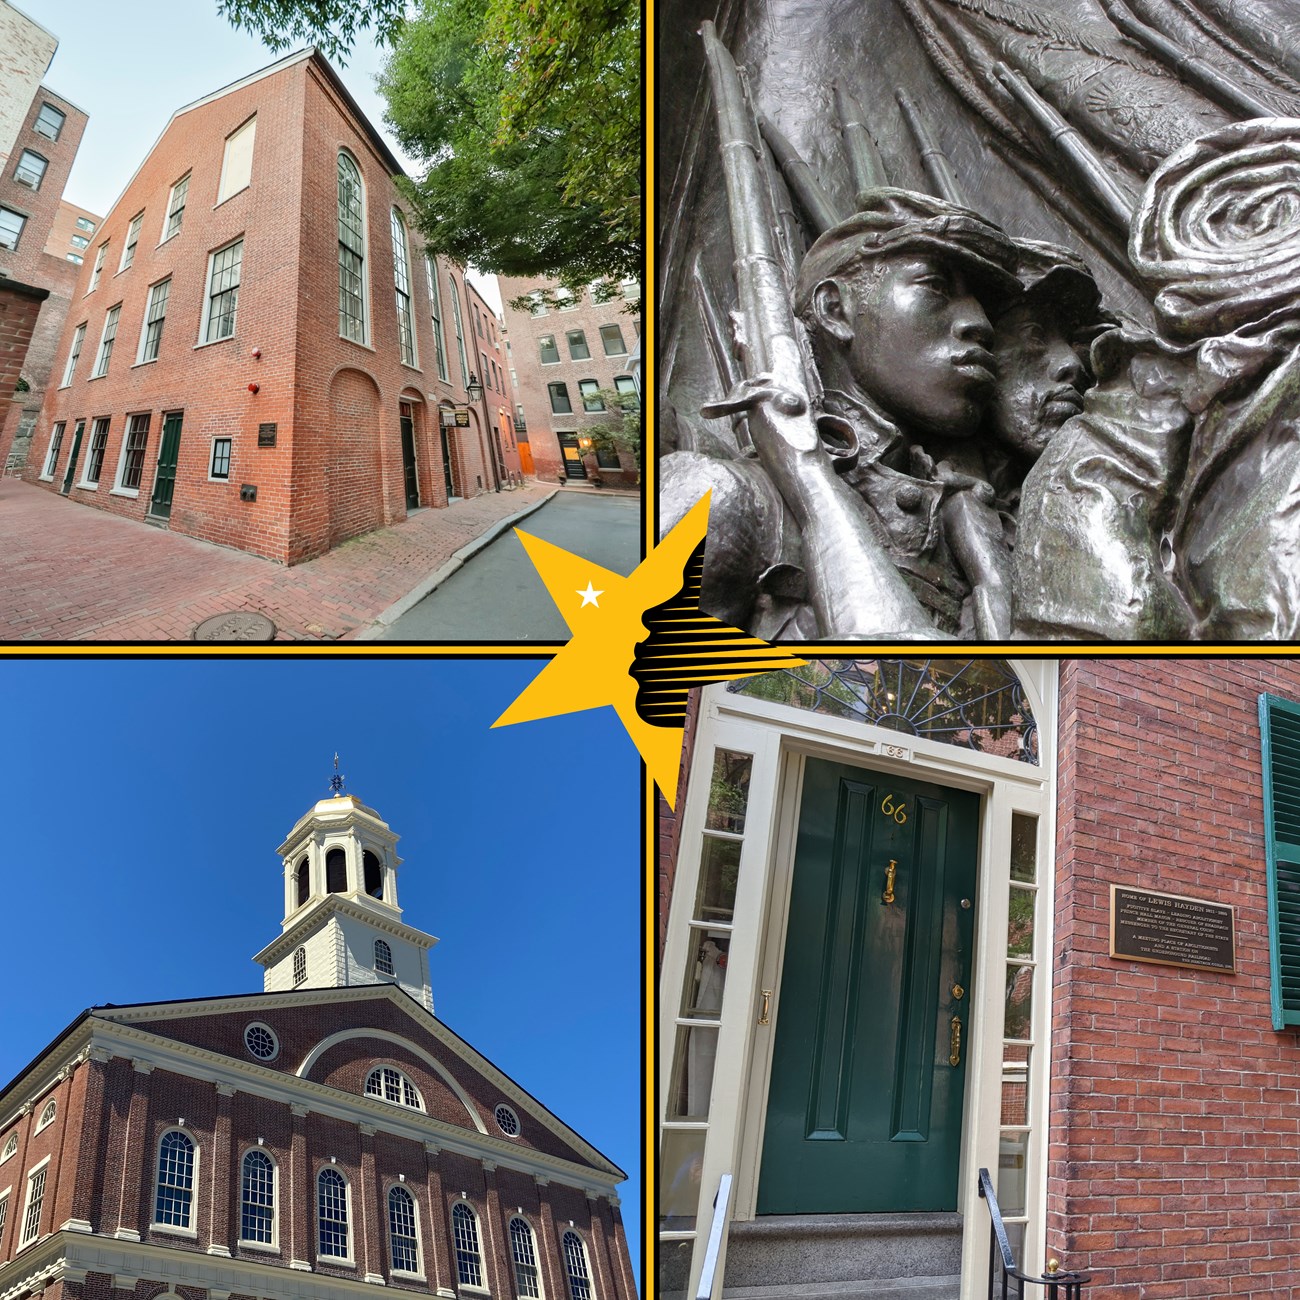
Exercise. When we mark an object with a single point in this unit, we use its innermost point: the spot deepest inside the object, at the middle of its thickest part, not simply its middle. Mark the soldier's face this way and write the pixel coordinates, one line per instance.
(1041, 378)
(920, 344)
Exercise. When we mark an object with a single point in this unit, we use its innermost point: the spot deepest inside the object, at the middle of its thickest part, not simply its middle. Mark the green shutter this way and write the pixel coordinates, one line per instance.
(1279, 722)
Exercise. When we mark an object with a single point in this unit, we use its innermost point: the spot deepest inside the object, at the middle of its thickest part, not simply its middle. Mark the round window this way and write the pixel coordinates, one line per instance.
(507, 1121)
(261, 1042)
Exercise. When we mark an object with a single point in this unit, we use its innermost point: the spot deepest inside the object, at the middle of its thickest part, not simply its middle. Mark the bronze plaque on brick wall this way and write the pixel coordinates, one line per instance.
(1172, 930)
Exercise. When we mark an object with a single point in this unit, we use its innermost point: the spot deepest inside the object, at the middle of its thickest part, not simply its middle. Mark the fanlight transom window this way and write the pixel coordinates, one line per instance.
(389, 1084)
(975, 703)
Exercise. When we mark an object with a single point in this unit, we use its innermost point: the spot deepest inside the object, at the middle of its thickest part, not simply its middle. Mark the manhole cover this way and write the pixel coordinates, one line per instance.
(237, 626)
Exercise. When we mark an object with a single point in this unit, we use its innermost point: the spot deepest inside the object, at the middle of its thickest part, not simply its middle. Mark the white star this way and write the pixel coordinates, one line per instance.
(589, 596)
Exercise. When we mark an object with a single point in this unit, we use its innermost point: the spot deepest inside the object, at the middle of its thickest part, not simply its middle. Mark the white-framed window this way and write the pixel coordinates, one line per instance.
(435, 308)
(30, 170)
(523, 1258)
(589, 390)
(612, 337)
(402, 288)
(100, 254)
(51, 461)
(237, 162)
(132, 239)
(35, 1199)
(383, 957)
(11, 1144)
(575, 1267)
(625, 384)
(4, 1214)
(219, 468)
(49, 122)
(353, 317)
(175, 208)
(630, 288)
(539, 307)
(74, 355)
(131, 467)
(105, 353)
(299, 965)
(389, 1084)
(257, 1199)
(222, 297)
(403, 1232)
(460, 331)
(154, 317)
(333, 1238)
(95, 457)
(11, 227)
(565, 301)
(469, 1259)
(507, 1120)
(174, 1198)
(47, 1115)
(261, 1042)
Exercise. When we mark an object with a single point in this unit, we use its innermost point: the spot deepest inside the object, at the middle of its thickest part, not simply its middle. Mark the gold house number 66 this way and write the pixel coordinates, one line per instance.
(898, 811)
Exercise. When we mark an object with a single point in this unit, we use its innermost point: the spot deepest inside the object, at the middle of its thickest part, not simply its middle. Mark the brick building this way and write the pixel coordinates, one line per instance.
(487, 360)
(562, 353)
(40, 132)
(260, 349)
(927, 917)
(321, 1138)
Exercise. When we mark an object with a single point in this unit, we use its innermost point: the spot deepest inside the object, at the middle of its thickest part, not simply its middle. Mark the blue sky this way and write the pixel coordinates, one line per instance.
(131, 63)
(146, 800)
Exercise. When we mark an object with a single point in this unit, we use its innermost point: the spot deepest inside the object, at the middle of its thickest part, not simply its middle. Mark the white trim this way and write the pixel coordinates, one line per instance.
(275, 1038)
(247, 125)
(23, 1239)
(206, 314)
(418, 1275)
(212, 454)
(403, 1078)
(343, 1035)
(367, 307)
(537, 1257)
(189, 1228)
(163, 236)
(243, 1242)
(342, 1261)
(481, 1288)
(50, 1110)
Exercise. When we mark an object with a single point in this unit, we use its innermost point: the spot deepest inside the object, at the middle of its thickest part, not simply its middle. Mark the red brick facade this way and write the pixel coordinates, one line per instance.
(39, 260)
(490, 367)
(544, 353)
(126, 1089)
(283, 404)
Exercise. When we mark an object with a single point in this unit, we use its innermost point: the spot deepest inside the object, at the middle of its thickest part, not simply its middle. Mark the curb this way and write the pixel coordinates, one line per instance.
(467, 552)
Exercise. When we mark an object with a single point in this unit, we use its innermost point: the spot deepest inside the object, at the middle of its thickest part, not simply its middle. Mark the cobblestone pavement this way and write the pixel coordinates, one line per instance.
(72, 573)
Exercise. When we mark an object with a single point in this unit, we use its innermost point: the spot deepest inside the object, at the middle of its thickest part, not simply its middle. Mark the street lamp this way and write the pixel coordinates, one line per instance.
(474, 388)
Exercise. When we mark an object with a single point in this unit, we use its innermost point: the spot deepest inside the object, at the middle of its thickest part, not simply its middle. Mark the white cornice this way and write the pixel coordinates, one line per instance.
(349, 812)
(345, 905)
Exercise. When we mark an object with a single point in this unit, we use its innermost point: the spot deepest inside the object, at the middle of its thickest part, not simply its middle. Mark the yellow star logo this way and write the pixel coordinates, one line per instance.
(642, 647)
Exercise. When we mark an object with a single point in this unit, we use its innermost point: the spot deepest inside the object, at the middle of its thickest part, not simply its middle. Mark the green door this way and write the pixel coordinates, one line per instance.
(865, 1102)
(72, 460)
(164, 483)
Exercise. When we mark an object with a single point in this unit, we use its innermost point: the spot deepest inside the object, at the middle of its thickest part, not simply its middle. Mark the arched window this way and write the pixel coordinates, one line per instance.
(352, 252)
(464, 1228)
(299, 966)
(257, 1199)
(389, 1084)
(302, 880)
(11, 1148)
(383, 958)
(403, 1239)
(460, 332)
(47, 1115)
(336, 871)
(575, 1267)
(175, 1180)
(524, 1257)
(374, 874)
(332, 1215)
(402, 285)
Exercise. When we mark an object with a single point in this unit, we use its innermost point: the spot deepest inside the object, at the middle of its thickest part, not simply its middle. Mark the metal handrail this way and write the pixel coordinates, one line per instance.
(1060, 1285)
(705, 1289)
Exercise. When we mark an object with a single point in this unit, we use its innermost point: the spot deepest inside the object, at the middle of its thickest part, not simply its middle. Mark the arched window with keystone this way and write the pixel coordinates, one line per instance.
(174, 1203)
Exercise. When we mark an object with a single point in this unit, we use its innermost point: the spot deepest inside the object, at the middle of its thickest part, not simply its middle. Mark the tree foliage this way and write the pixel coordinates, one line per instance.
(620, 429)
(526, 113)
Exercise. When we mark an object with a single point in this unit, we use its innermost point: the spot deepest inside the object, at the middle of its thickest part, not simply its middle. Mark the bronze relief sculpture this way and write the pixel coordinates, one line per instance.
(987, 326)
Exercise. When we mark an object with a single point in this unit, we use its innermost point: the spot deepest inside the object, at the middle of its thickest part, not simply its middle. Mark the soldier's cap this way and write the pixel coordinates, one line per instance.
(894, 221)
(1059, 278)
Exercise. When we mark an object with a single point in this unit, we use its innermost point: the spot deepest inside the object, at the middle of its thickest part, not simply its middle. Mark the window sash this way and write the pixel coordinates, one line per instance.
(137, 438)
(460, 332)
(546, 349)
(435, 308)
(49, 122)
(223, 292)
(220, 458)
(31, 169)
(332, 1215)
(589, 388)
(560, 404)
(176, 207)
(52, 459)
(95, 460)
(257, 1199)
(106, 340)
(132, 239)
(524, 1259)
(35, 1199)
(78, 339)
(575, 1267)
(175, 1181)
(11, 227)
(612, 337)
(578, 349)
(99, 266)
(154, 319)
(403, 1240)
(468, 1259)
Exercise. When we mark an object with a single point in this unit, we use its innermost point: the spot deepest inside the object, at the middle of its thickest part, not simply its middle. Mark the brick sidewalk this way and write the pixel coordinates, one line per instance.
(71, 573)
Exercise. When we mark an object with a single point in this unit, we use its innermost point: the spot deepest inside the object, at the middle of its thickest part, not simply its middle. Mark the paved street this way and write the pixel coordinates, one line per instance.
(72, 573)
(498, 596)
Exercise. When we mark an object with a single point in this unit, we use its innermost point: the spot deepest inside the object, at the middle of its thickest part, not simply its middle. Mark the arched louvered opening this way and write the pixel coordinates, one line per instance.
(302, 881)
(336, 871)
(374, 874)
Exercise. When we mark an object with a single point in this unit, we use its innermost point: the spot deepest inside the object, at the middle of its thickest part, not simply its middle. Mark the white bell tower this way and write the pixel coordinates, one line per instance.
(342, 925)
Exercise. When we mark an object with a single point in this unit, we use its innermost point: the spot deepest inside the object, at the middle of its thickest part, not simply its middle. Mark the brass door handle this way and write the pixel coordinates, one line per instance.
(767, 1006)
(890, 872)
(954, 1042)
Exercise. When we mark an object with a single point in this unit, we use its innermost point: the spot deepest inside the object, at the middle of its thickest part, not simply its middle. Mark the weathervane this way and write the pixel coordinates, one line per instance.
(336, 781)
